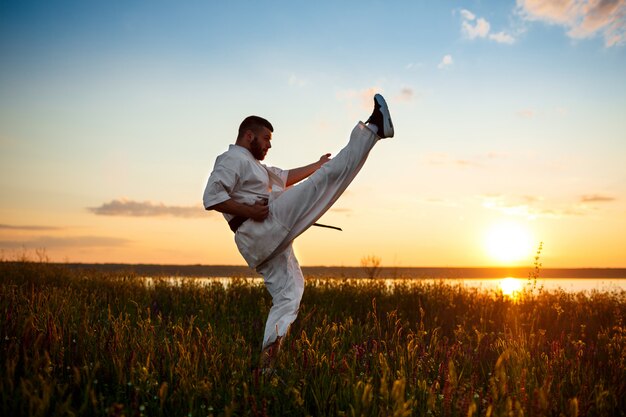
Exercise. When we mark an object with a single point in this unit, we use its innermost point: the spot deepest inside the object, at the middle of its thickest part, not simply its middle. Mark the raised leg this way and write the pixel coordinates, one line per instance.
(301, 205)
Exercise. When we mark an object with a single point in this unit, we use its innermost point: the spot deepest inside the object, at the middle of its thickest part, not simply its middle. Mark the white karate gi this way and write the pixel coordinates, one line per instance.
(267, 245)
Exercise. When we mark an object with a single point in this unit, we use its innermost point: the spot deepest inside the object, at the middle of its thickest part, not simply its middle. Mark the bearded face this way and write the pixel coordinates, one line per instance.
(257, 149)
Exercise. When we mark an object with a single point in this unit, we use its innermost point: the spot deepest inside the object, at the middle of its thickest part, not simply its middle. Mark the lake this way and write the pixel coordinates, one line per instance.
(509, 279)
(508, 285)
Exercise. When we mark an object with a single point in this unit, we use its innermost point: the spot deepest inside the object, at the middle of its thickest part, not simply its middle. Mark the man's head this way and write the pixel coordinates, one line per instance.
(255, 134)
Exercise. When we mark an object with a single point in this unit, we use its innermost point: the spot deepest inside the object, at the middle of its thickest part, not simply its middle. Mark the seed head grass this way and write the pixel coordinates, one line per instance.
(106, 344)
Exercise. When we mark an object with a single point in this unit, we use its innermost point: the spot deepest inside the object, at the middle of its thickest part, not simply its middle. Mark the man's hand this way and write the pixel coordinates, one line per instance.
(259, 211)
(324, 158)
(298, 174)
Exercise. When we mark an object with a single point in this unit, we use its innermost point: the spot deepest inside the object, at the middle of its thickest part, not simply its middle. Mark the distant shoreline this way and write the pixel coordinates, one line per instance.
(354, 271)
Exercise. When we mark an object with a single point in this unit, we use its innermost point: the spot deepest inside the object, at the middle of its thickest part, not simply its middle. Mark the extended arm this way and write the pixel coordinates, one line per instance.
(298, 174)
(258, 212)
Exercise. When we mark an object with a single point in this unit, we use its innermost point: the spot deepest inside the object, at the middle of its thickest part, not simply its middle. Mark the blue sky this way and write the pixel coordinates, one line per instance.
(504, 111)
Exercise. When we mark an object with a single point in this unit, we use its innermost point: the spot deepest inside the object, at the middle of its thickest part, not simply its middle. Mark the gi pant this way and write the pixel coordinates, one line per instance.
(267, 245)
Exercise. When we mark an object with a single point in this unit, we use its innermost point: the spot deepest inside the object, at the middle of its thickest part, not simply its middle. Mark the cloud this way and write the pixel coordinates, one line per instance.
(528, 206)
(406, 94)
(560, 111)
(502, 37)
(412, 65)
(444, 159)
(28, 227)
(581, 18)
(531, 198)
(446, 61)
(362, 98)
(50, 242)
(596, 198)
(529, 113)
(497, 155)
(130, 208)
(441, 202)
(437, 158)
(296, 81)
(526, 113)
(518, 207)
(478, 30)
(473, 27)
(467, 15)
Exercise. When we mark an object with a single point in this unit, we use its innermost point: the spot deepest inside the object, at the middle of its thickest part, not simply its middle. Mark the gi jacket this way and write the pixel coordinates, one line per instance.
(237, 174)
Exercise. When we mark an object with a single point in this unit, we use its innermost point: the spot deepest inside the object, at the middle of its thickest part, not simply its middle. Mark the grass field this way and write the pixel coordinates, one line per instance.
(92, 343)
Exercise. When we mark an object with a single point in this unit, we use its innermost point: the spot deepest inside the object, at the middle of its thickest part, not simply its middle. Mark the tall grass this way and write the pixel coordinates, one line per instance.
(88, 343)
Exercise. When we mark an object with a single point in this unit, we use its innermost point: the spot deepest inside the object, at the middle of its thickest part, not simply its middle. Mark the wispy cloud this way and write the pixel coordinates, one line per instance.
(441, 202)
(529, 206)
(130, 208)
(413, 65)
(475, 161)
(296, 81)
(467, 15)
(596, 198)
(502, 37)
(497, 155)
(581, 18)
(50, 242)
(405, 94)
(560, 111)
(474, 27)
(360, 99)
(531, 113)
(526, 113)
(500, 203)
(446, 62)
(33, 228)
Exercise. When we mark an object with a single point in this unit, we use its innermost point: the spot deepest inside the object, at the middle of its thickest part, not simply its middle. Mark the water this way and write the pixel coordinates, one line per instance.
(508, 285)
(572, 285)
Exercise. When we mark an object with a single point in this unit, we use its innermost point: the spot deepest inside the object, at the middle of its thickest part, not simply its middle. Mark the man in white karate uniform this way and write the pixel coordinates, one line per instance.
(267, 213)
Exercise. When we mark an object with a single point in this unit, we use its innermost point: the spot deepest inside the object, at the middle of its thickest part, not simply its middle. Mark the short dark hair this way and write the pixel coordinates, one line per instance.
(253, 123)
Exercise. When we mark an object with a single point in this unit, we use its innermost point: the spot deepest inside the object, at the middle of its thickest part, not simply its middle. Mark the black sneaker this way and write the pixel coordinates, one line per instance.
(381, 118)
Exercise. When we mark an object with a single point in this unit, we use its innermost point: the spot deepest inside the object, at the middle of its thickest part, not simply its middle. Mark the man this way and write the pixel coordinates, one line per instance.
(267, 214)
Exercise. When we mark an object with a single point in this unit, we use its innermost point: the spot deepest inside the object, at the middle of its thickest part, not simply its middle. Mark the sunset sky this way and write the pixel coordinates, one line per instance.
(510, 123)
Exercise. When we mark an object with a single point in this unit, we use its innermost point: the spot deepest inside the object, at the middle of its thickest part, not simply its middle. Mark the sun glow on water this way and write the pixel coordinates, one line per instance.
(511, 286)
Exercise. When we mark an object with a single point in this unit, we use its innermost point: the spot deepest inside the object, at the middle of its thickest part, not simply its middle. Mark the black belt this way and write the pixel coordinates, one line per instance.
(236, 221)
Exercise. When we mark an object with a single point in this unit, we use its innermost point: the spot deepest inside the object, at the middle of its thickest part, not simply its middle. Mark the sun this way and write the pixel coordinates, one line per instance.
(508, 242)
